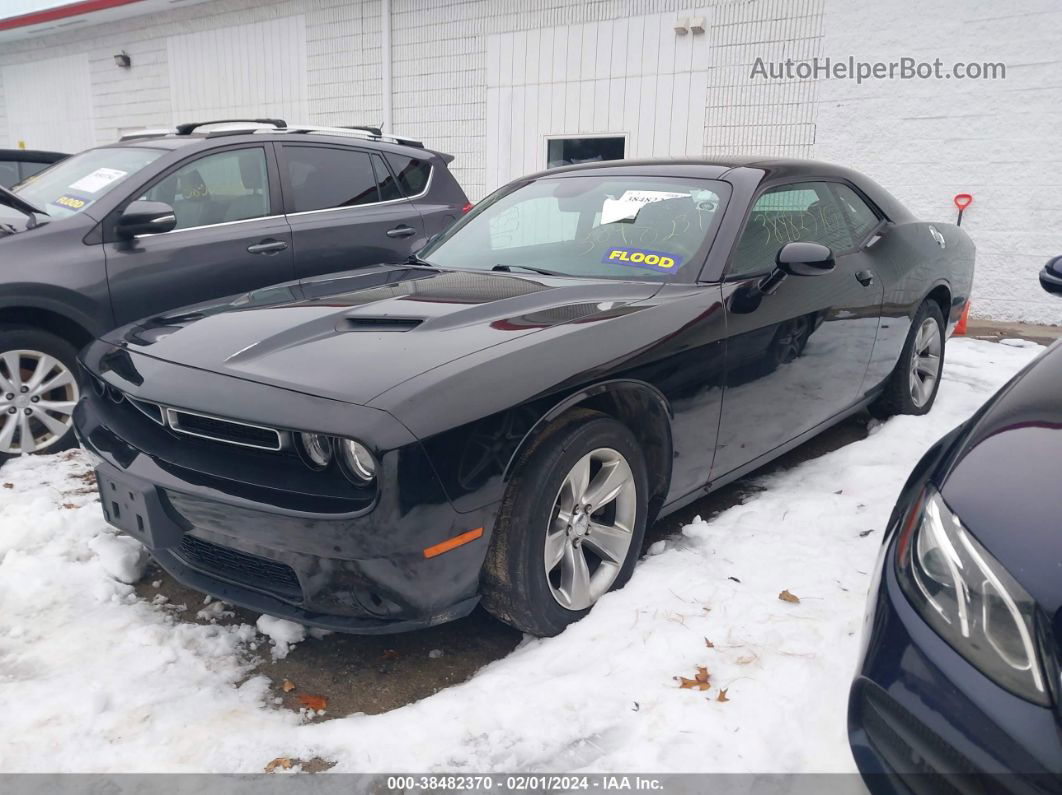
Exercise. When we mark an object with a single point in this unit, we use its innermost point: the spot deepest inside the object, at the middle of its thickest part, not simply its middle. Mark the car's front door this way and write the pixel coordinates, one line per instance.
(795, 357)
(343, 210)
(231, 236)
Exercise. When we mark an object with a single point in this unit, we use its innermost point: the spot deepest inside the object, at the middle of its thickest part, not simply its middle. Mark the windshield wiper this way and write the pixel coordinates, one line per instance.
(543, 271)
(24, 206)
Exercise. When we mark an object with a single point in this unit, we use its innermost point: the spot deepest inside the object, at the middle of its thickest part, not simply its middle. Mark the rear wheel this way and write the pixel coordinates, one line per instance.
(38, 392)
(912, 387)
(570, 528)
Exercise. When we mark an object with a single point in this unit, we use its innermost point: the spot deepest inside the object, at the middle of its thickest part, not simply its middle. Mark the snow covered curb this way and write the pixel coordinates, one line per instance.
(97, 679)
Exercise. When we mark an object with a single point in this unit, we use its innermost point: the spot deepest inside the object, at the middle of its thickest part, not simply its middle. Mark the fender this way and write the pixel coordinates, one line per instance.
(75, 309)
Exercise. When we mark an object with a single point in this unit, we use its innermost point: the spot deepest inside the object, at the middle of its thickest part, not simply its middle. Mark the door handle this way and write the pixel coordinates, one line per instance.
(267, 246)
(401, 231)
(866, 278)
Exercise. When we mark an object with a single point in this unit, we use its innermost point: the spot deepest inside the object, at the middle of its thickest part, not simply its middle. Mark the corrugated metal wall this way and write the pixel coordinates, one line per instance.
(49, 103)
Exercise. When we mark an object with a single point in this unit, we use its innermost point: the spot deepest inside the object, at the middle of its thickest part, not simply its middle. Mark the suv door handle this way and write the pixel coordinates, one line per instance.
(267, 246)
(401, 231)
(866, 278)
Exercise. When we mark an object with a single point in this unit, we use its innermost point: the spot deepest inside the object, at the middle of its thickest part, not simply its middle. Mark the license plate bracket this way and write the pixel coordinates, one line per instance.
(136, 509)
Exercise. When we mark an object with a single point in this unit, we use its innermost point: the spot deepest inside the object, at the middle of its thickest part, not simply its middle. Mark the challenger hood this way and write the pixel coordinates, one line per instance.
(354, 336)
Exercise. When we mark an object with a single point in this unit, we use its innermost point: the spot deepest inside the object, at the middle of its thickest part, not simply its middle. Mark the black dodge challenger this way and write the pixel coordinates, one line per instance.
(498, 419)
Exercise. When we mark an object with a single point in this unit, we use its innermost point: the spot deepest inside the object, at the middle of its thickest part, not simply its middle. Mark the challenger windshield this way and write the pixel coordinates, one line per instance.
(613, 227)
(72, 185)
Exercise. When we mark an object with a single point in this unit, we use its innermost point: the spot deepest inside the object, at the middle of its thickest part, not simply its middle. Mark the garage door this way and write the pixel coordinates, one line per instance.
(49, 104)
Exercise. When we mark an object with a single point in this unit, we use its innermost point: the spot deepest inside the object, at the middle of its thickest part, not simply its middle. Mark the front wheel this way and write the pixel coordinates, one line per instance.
(912, 387)
(38, 392)
(570, 527)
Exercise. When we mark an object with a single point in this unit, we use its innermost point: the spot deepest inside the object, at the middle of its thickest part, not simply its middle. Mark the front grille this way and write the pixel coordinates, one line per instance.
(239, 567)
(930, 765)
(221, 430)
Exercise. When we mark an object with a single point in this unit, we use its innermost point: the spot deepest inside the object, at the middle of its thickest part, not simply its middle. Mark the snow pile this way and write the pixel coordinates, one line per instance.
(122, 557)
(283, 633)
(100, 680)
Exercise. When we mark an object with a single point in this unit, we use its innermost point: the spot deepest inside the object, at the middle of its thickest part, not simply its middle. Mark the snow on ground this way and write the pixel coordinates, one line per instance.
(93, 678)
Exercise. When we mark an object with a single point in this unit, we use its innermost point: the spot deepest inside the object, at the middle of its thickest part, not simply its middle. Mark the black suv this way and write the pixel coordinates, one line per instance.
(167, 218)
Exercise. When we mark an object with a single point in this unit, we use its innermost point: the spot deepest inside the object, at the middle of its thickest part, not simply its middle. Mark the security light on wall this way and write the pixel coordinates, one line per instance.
(123, 60)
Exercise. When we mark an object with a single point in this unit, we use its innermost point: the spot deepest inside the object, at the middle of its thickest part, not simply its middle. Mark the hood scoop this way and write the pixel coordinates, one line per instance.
(378, 323)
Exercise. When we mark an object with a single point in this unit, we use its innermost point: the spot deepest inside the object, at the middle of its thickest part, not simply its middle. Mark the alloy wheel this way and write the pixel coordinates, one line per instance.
(590, 529)
(37, 398)
(925, 362)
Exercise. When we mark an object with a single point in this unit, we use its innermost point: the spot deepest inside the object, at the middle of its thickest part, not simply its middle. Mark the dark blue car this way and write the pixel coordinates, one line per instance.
(958, 686)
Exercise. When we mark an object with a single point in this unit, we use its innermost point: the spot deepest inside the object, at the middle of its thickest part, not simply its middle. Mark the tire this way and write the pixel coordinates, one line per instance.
(901, 395)
(515, 584)
(44, 383)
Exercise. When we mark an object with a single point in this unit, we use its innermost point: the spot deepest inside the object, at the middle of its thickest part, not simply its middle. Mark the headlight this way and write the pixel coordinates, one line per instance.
(968, 598)
(356, 460)
(315, 450)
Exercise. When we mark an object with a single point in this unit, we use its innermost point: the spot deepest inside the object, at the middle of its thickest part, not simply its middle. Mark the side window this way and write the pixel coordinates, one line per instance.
(215, 189)
(859, 216)
(8, 173)
(803, 211)
(326, 177)
(533, 222)
(413, 174)
(385, 181)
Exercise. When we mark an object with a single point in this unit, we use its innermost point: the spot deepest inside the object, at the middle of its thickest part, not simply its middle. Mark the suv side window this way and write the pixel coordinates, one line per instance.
(413, 174)
(859, 216)
(9, 176)
(214, 189)
(323, 177)
(803, 211)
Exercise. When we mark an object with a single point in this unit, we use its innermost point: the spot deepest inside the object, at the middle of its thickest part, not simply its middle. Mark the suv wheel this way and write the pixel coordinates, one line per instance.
(38, 392)
(570, 528)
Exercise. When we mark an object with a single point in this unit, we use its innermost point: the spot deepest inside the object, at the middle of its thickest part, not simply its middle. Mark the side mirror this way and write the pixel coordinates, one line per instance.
(146, 218)
(1051, 276)
(805, 259)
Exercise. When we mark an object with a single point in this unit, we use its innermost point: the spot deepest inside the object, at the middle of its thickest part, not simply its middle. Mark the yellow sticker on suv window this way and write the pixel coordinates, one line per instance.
(643, 258)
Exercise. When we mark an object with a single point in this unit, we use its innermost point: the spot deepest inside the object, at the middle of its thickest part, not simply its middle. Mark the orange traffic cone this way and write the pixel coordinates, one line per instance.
(960, 328)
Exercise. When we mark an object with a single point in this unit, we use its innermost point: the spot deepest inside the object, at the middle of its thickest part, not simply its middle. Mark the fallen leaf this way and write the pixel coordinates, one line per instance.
(9, 485)
(702, 674)
(839, 491)
(691, 684)
(281, 762)
(709, 644)
(313, 702)
(287, 686)
(722, 695)
(865, 533)
(785, 596)
(735, 579)
(637, 706)
(69, 506)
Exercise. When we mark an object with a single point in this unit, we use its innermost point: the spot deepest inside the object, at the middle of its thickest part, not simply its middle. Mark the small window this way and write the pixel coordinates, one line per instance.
(413, 174)
(860, 217)
(385, 181)
(566, 151)
(9, 176)
(805, 211)
(216, 189)
(323, 178)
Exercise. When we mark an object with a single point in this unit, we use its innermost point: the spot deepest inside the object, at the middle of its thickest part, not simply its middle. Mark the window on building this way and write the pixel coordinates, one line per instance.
(413, 174)
(326, 177)
(228, 186)
(804, 211)
(567, 151)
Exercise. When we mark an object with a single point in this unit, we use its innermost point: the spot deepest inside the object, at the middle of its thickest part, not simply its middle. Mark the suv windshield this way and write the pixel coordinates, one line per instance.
(612, 227)
(73, 184)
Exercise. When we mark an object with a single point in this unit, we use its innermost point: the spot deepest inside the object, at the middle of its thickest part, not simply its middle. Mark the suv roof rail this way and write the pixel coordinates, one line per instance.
(189, 127)
(147, 132)
(355, 131)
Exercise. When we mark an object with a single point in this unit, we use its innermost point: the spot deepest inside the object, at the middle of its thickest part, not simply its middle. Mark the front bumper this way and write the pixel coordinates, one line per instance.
(217, 523)
(922, 719)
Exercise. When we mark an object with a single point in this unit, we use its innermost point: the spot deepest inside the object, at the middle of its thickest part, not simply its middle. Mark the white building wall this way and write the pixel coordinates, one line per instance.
(484, 80)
